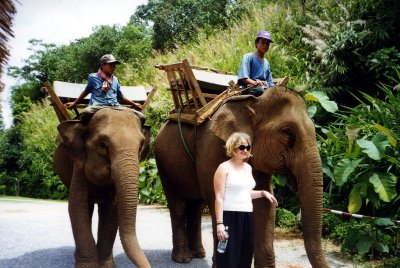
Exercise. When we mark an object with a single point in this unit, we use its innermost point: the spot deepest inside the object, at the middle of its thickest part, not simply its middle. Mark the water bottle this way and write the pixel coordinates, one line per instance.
(222, 243)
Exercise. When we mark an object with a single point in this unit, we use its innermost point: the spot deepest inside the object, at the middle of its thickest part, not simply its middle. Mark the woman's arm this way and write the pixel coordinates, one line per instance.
(261, 194)
(219, 189)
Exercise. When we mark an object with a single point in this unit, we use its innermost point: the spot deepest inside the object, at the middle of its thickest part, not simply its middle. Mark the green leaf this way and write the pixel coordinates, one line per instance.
(383, 222)
(381, 247)
(373, 197)
(352, 133)
(364, 243)
(384, 185)
(344, 168)
(145, 192)
(323, 99)
(393, 160)
(312, 110)
(327, 171)
(387, 133)
(375, 149)
(355, 201)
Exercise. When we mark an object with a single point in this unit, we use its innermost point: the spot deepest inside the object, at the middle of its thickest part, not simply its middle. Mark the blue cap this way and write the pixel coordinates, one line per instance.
(265, 35)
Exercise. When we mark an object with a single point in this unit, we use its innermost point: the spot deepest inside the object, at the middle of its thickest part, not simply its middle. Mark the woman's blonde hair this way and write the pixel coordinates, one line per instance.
(234, 141)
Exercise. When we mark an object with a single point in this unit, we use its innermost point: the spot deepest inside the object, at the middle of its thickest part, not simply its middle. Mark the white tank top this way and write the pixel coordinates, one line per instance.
(238, 186)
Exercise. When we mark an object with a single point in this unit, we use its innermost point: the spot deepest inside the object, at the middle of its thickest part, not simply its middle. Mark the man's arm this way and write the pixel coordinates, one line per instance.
(135, 105)
(251, 82)
(71, 105)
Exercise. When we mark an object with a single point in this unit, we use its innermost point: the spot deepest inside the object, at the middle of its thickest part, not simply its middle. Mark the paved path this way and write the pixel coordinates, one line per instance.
(38, 234)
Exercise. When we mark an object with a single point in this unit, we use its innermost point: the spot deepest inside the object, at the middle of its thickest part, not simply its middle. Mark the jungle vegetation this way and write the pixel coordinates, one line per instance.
(343, 56)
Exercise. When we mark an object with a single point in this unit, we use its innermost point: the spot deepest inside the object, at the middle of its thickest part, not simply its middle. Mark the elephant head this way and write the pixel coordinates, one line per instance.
(105, 153)
(284, 141)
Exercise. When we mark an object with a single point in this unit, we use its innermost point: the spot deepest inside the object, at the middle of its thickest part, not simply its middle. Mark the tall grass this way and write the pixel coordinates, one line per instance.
(39, 129)
(225, 49)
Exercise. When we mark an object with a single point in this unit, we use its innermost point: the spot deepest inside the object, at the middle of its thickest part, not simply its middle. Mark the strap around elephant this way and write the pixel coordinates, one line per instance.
(182, 138)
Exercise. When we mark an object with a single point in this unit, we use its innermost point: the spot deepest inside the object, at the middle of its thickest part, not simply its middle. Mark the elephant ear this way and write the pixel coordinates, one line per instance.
(146, 143)
(235, 115)
(73, 134)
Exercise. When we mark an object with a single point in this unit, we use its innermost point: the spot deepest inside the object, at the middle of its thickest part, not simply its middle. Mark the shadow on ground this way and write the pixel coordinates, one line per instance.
(63, 258)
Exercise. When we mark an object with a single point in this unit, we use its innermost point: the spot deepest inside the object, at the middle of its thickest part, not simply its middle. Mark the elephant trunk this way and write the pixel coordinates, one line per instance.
(310, 186)
(125, 173)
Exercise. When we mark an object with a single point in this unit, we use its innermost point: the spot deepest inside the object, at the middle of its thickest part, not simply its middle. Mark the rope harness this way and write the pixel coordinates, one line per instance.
(183, 139)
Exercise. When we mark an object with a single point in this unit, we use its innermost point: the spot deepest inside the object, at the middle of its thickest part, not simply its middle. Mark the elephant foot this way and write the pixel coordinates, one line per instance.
(86, 264)
(181, 256)
(199, 253)
(107, 264)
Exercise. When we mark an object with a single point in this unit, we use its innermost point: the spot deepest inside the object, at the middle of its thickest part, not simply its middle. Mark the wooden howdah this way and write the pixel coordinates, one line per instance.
(197, 92)
(61, 93)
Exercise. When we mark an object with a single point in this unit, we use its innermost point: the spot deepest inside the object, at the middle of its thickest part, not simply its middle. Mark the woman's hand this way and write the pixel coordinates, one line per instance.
(270, 197)
(221, 232)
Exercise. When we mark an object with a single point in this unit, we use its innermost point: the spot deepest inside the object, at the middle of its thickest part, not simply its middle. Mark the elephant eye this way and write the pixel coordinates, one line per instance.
(103, 144)
(289, 136)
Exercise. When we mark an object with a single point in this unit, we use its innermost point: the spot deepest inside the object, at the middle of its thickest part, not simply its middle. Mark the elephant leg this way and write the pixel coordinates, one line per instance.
(264, 224)
(180, 250)
(80, 216)
(107, 231)
(177, 211)
(194, 209)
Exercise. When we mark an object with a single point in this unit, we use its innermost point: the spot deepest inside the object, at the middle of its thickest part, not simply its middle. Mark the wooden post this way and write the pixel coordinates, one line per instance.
(149, 97)
(61, 112)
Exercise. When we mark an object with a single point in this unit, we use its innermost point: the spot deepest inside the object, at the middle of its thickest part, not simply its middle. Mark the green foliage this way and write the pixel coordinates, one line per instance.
(11, 146)
(321, 98)
(366, 238)
(176, 22)
(361, 148)
(383, 62)
(329, 223)
(150, 188)
(351, 42)
(286, 219)
(37, 178)
(22, 97)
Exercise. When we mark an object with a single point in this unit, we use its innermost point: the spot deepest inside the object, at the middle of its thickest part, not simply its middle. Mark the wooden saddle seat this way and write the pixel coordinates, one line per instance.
(61, 93)
(197, 92)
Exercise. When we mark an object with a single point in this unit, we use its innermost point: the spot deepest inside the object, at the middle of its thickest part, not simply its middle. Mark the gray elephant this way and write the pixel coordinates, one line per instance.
(283, 142)
(99, 163)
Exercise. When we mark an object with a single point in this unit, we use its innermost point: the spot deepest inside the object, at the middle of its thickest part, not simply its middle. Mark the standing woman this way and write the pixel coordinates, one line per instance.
(233, 185)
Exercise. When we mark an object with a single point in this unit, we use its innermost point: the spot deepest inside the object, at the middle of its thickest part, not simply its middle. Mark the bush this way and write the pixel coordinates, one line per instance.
(150, 188)
(329, 223)
(366, 239)
(37, 177)
(286, 219)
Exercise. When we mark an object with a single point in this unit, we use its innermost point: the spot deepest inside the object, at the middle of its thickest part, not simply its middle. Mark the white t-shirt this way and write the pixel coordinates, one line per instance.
(238, 186)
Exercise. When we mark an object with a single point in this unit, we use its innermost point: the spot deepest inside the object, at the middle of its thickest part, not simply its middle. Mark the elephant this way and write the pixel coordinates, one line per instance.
(98, 161)
(284, 142)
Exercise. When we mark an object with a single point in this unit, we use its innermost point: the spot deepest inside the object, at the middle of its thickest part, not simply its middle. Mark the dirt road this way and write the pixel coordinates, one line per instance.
(38, 234)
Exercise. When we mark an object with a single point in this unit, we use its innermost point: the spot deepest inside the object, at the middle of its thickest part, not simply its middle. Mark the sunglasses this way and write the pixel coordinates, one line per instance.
(242, 147)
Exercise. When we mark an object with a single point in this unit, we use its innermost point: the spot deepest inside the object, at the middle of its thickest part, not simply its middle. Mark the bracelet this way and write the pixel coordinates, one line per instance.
(220, 223)
(262, 194)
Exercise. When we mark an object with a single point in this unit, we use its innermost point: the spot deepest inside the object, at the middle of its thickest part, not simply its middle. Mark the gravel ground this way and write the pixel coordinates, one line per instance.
(38, 234)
